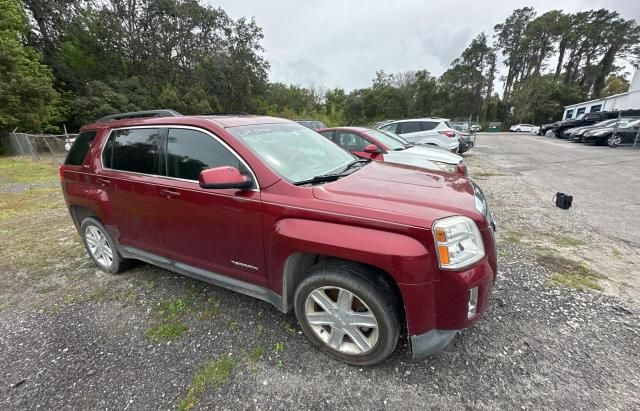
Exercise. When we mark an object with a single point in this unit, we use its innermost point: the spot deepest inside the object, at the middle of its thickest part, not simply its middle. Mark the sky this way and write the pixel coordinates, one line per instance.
(335, 43)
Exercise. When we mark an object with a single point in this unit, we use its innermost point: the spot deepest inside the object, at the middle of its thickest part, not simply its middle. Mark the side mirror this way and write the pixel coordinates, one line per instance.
(372, 149)
(224, 177)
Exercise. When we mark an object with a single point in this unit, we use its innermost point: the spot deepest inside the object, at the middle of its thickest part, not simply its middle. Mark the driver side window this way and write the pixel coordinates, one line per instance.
(351, 141)
(191, 151)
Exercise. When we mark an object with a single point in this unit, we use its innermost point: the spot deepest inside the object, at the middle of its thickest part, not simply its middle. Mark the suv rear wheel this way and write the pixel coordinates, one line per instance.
(346, 313)
(100, 247)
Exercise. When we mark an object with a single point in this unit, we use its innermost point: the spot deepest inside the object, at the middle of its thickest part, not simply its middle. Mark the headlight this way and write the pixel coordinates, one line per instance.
(458, 242)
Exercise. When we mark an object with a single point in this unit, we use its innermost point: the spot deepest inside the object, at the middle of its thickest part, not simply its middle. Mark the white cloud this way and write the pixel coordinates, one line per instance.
(343, 43)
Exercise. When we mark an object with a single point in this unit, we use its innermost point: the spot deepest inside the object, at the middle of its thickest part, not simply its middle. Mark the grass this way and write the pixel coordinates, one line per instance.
(167, 316)
(567, 241)
(256, 354)
(234, 326)
(514, 236)
(212, 374)
(29, 201)
(15, 170)
(487, 174)
(166, 331)
(279, 347)
(569, 273)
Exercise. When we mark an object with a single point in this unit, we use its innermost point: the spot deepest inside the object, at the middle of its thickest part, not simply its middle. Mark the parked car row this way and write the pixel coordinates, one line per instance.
(362, 251)
(611, 128)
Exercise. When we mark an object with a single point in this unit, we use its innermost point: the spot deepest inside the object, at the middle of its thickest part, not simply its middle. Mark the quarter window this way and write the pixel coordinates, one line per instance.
(133, 150)
(430, 125)
(191, 151)
(80, 148)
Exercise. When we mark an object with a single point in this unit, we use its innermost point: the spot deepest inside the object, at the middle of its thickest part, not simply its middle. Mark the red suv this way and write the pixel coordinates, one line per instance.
(361, 250)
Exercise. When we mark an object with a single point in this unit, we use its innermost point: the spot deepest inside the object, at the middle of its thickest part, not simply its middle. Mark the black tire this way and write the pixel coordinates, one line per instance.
(518, 130)
(118, 264)
(368, 286)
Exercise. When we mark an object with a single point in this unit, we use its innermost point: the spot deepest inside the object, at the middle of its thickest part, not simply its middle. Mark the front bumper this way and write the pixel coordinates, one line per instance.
(431, 342)
(437, 311)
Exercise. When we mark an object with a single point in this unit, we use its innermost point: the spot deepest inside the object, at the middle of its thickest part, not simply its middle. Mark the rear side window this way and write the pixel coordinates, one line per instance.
(135, 150)
(80, 148)
(390, 127)
(409, 127)
(191, 151)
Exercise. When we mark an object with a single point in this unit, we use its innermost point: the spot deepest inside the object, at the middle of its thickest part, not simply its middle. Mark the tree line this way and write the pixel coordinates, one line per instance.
(73, 61)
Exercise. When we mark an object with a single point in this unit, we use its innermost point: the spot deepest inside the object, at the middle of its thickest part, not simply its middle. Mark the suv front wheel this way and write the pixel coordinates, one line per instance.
(346, 313)
(101, 247)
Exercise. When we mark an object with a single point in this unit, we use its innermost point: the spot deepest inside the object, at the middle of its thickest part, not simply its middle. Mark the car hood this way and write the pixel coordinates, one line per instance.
(403, 190)
(432, 154)
(399, 157)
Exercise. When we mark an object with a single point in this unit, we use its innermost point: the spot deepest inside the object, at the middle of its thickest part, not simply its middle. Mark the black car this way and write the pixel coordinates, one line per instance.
(575, 134)
(544, 128)
(466, 142)
(600, 135)
(584, 119)
(625, 135)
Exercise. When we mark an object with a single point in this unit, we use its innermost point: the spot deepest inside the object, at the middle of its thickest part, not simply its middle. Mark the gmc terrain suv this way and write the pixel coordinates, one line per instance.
(363, 251)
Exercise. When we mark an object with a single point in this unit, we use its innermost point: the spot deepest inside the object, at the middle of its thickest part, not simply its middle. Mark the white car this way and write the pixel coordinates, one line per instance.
(521, 127)
(429, 131)
(444, 159)
(535, 130)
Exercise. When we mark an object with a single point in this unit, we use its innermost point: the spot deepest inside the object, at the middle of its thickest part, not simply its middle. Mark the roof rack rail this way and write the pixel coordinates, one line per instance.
(140, 114)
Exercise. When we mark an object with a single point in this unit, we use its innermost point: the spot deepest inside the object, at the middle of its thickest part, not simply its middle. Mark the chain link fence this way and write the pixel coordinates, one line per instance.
(39, 147)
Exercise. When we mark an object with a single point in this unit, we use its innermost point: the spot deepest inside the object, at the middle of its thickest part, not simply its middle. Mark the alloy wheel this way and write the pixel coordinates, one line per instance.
(341, 320)
(614, 140)
(99, 246)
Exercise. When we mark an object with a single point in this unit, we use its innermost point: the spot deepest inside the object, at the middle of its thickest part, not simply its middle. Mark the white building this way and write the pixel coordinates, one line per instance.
(622, 101)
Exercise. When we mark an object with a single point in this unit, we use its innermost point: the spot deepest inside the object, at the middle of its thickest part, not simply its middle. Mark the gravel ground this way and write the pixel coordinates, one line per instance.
(72, 337)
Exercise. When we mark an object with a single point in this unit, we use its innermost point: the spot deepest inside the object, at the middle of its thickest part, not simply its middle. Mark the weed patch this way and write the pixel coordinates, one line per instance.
(569, 274)
(166, 331)
(213, 374)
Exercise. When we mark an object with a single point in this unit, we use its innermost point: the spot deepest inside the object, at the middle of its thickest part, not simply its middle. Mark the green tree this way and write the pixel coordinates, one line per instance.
(27, 97)
(615, 85)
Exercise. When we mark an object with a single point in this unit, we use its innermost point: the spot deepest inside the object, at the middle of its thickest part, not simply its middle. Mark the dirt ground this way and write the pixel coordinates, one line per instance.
(562, 331)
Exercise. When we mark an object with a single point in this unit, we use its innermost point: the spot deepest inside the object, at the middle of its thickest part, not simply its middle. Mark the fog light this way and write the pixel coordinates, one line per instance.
(473, 302)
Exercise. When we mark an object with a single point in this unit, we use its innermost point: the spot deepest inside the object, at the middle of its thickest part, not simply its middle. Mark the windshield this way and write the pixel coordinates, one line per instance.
(388, 141)
(398, 137)
(604, 123)
(627, 122)
(293, 151)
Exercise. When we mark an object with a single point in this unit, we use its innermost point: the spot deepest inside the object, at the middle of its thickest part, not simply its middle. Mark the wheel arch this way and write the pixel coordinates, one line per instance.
(298, 264)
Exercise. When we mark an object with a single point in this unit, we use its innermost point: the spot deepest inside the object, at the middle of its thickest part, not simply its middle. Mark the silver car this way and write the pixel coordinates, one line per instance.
(426, 131)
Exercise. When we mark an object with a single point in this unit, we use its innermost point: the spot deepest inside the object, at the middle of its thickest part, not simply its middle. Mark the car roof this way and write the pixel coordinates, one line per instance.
(347, 128)
(224, 121)
(421, 119)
